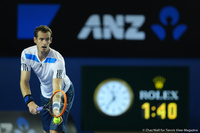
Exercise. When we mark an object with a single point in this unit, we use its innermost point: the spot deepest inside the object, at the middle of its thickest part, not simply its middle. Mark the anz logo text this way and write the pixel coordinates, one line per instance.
(128, 27)
(110, 27)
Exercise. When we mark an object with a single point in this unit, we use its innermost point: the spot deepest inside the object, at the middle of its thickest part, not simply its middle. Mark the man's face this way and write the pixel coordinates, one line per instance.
(43, 41)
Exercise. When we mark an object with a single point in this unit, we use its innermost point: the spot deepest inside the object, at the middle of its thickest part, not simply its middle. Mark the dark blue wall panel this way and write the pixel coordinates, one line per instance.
(11, 98)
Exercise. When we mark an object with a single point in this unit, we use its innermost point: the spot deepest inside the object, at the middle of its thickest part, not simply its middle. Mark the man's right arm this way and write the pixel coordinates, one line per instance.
(25, 90)
(24, 83)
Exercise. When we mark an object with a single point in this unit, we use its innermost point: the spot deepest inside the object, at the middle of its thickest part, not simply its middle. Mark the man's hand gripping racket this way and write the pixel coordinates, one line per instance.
(56, 106)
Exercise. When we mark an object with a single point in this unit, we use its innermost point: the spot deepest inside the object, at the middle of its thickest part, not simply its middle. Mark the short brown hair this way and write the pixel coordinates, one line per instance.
(42, 28)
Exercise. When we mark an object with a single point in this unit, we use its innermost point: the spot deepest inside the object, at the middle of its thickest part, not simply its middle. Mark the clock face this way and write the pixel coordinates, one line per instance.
(113, 97)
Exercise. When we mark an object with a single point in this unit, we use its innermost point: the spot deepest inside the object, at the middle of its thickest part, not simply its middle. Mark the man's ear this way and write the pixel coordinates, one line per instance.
(34, 39)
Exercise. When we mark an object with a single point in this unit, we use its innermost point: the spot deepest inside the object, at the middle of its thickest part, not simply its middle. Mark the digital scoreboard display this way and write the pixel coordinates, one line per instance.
(134, 98)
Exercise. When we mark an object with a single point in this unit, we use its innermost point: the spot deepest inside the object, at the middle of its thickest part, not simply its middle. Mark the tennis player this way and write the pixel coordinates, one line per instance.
(49, 66)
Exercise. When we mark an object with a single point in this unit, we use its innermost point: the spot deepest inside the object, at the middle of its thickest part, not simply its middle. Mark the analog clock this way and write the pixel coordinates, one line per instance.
(113, 97)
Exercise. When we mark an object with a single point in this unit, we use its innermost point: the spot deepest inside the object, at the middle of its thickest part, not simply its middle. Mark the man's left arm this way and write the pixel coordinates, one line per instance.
(58, 81)
(59, 69)
(57, 84)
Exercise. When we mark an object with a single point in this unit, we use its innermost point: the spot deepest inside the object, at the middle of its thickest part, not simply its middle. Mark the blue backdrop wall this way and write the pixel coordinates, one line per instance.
(11, 98)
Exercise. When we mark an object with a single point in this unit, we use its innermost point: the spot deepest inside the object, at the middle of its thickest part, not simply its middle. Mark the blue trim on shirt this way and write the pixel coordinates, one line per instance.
(31, 57)
(50, 60)
(34, 57)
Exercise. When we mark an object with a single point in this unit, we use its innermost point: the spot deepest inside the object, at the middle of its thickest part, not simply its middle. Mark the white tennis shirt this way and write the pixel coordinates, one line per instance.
(52, 67)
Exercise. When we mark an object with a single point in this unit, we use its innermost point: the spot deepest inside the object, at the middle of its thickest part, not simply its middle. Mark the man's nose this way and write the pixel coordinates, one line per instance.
(44, 41)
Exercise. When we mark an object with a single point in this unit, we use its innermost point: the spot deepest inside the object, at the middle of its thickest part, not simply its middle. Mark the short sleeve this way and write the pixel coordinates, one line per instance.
(24, 64)
(59, 69)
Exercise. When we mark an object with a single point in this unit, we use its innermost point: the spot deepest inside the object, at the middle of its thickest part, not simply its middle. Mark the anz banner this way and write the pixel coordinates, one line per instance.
(146, 28)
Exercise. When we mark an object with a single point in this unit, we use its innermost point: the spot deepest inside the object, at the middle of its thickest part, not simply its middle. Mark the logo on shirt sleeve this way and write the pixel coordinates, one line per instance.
(59, 74)
(24, 67)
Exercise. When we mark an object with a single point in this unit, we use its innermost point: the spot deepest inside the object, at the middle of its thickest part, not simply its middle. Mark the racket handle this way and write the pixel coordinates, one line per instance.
(40, 108)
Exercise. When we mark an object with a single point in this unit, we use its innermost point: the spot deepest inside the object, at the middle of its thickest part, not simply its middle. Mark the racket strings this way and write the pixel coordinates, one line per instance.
(57, 104)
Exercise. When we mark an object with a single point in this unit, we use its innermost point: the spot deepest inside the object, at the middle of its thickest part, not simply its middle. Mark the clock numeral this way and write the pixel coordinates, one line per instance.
(161, 111)
(146, 109)
(172, 111)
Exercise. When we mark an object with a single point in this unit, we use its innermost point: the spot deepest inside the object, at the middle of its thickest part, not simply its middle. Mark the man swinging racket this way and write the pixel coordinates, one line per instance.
(49, 66)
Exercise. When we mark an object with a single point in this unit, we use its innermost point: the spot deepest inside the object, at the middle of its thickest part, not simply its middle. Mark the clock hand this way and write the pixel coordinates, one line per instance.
(113, 99)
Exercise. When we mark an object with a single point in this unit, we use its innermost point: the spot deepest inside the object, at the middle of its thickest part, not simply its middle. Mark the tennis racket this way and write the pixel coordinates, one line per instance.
(56, 105)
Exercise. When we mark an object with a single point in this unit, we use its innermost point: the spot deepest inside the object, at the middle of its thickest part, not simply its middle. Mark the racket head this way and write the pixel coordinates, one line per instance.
(58, 103)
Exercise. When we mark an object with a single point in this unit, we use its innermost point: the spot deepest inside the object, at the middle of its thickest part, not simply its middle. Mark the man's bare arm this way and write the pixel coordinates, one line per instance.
(25, 90)
(24, 83)
(57, 84)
